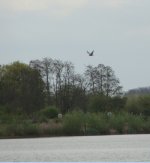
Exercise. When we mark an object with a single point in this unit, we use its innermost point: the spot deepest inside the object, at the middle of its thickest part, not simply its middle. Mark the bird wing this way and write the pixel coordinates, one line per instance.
(88, 52)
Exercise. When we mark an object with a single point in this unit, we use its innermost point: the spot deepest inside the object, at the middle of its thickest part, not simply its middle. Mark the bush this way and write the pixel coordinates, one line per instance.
(133, 106)
(136, 124)
(118, 103)
(96, 124)
(73, 123)
(78, 123)
(144, 102)
(24, 129)
(138, 105)
(117, 122)
(30, 129)
(146, 126)
(49, 112)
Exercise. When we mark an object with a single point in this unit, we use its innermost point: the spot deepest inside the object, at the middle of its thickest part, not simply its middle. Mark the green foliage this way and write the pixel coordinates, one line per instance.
(99, 103)
(77, 123)
(118, 103)
(134, 123)
(22, 97)
(49, 112)
(21, 87)
(138, 105)
(7, 118)
(117, 122)
(30, 129)
(144, 102)
(16, 129)
(73, 123)
(146, 125)
(96, 124)
(132, 105)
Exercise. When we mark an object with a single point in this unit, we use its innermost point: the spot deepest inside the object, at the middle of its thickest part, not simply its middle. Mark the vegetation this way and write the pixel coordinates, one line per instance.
(32, 96)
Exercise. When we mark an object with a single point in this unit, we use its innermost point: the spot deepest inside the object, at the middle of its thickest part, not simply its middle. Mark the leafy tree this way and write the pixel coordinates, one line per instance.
(99, 103)
(144, 102)
(118, 103)
(21, 87)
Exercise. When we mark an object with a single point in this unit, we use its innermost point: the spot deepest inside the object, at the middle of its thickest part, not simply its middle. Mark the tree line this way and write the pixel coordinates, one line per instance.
(51, 82)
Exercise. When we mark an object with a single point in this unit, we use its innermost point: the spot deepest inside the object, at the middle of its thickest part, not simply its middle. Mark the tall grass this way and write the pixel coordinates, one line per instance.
(133, 123)
(76, 123)
(73, 123)
(96, 124)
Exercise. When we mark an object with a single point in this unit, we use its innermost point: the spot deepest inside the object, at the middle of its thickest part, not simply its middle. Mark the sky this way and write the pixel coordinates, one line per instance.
(117, 30)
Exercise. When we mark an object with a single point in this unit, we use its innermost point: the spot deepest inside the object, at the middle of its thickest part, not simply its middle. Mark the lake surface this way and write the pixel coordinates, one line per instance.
(86, 149)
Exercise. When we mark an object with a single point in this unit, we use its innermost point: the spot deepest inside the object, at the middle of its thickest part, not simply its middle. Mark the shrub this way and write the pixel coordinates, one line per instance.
(2, 130)
(96, 124)
(30, 129)
(73, 123)
(23, 129)
(117, 122)
(144, 102)
(50, 112)
(133, 106)
(146, 126)
(136, 124)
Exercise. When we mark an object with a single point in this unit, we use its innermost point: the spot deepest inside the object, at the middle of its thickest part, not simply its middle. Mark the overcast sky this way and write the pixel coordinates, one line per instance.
(117, 30)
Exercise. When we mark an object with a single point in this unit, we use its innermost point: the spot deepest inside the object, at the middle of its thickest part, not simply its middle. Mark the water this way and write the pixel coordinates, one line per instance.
(86, 149)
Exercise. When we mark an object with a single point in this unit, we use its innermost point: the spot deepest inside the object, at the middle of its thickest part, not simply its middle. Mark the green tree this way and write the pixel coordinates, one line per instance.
(144, 102)
(99, 103)
(21, 87)
(118, 103)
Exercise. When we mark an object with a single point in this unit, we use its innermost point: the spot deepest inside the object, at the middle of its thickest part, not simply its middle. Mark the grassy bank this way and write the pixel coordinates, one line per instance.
(74, 123)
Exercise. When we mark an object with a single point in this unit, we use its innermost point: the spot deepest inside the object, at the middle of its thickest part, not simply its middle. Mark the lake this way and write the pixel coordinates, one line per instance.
(74, 149)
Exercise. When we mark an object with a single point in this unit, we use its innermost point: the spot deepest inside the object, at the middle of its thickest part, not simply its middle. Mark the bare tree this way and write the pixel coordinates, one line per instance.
(46, 69)
(102, 80)
(111, 85)
(57, 83)
(90, 75)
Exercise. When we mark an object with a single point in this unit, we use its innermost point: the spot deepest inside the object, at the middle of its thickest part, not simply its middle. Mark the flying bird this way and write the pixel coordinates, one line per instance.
(90, 54)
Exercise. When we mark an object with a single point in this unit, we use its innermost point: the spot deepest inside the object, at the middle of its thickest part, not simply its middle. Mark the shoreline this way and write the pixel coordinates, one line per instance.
(67, 136)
